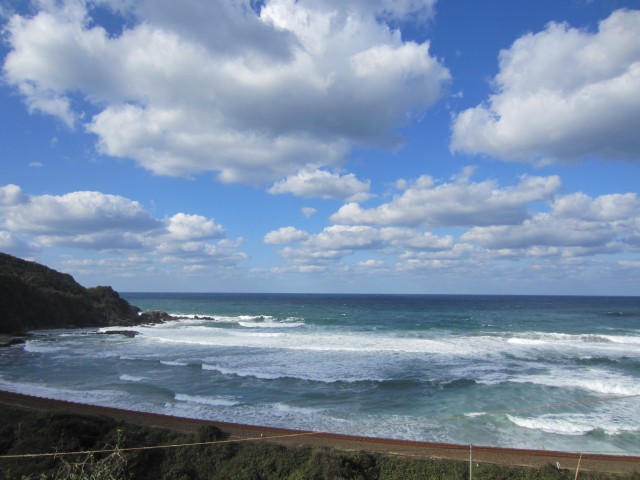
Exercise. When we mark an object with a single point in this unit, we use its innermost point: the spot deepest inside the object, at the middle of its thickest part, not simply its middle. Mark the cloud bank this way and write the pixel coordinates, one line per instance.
(98, 222)
(464, 227)
(562, 94)
(251, 93)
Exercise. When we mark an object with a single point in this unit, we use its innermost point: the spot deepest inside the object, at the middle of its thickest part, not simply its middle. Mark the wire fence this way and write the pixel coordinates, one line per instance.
(309, 434)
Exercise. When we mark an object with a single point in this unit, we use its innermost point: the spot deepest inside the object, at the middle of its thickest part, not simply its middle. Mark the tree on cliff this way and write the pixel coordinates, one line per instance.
(33, 296)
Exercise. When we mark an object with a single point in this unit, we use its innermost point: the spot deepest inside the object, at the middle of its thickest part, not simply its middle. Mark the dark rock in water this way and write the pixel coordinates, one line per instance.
(154, 317)
(33, 296)
(8, 340)
(126, 333)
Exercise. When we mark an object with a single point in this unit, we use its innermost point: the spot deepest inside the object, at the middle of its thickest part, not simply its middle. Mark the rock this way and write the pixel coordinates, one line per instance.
(126, 333)
(154, 317)
(33, 296)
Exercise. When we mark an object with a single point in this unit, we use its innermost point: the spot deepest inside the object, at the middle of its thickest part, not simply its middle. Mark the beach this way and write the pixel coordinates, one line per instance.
(237, 432)
(533, 373)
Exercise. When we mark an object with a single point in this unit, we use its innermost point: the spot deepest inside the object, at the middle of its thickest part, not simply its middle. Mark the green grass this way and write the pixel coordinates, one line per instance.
(23, 431)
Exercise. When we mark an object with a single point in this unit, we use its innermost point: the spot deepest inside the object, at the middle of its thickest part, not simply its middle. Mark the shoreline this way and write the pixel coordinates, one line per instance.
(606, 463)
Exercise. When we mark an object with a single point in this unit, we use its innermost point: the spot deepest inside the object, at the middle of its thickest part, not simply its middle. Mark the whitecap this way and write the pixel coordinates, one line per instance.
(242, 373)
(601, 381)
(173, 363)
(574, 424)
(200, 399)
(40, 347)
(271, 324)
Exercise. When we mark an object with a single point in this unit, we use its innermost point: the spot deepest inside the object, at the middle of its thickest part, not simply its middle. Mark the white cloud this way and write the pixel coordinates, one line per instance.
(98, 222)
(200, 86)
(542, 230)
(308, 211)
(323, 184)
(603, 208)
(371, 264)
(182, 226)
(338, 241)
(11, 195)
(285, 235)
(78, 212)
(562, 94)
(14, 245)
(461, 227)
(458, 203)
(585, 224)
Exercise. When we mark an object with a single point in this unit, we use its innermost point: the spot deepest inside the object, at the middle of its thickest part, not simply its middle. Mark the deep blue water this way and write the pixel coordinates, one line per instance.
(560, 373)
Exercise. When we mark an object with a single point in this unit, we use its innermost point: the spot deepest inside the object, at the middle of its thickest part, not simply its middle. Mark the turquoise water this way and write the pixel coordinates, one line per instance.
(559, 373)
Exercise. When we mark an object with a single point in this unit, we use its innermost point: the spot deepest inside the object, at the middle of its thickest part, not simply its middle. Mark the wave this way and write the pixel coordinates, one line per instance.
(93, 397)
(242, 373)
(599, 381)
(212, 401)
(130, 378)
(173, 363)
(39, 347)
(319, 341)
(573, 424)
(248, 321)
(270, 324)
(551, 338)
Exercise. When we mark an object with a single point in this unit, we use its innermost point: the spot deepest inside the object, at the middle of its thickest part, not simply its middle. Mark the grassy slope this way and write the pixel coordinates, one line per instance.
(25, 431)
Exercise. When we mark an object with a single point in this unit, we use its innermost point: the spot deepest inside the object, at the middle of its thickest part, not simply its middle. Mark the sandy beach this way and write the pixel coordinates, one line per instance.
(535, 458)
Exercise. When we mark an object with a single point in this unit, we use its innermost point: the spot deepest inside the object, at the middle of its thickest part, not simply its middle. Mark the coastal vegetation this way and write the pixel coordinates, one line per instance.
(33, 296)
(24, 431)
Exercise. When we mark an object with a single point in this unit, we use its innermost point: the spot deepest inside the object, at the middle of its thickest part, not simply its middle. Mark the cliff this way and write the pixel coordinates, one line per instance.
(33, 296)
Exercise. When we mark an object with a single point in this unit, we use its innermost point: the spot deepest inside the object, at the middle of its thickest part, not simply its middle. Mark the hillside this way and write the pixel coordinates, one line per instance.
(33, 296)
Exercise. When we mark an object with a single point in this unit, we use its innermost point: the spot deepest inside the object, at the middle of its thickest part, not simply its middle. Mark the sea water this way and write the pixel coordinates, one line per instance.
(557, 373)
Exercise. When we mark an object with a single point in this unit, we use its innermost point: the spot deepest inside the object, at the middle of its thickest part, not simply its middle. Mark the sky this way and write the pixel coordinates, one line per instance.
(338, 146)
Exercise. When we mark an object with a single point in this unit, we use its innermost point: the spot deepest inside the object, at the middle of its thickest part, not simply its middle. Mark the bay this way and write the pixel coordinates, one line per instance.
(559, 373)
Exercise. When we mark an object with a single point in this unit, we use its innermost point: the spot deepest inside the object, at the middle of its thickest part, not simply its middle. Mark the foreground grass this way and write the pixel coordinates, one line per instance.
(25, 432)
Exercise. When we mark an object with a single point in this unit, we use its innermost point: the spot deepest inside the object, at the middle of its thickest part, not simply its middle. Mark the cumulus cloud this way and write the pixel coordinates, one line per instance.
(338, 241)
(594, 225)
(462, 226)
(308, 211)
(285, 235)
(99, 222)
(78, 212)
(182, 226)
(11, 195)
(254, 93)
(12, 243)
(457, 203)
(323, 184)
(562, 94)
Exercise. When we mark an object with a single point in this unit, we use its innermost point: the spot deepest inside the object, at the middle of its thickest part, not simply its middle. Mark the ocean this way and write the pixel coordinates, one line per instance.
(539, 372)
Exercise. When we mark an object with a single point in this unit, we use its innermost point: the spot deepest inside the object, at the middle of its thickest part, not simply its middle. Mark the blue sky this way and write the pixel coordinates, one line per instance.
(413, 146)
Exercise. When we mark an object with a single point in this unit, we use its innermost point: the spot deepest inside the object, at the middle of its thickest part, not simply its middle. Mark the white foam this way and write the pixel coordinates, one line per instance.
(93, 397)
(574, 423)
(240, 372)
(310, 340)
(598, 380)
(283, 409)
(213, 401)
(584, 340)
(130, 378)
(40, 347)
(272, 324)
(173, 363)
(552, 424)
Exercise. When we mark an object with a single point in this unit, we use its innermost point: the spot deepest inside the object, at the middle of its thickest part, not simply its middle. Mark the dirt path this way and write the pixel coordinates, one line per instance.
(503, 456)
